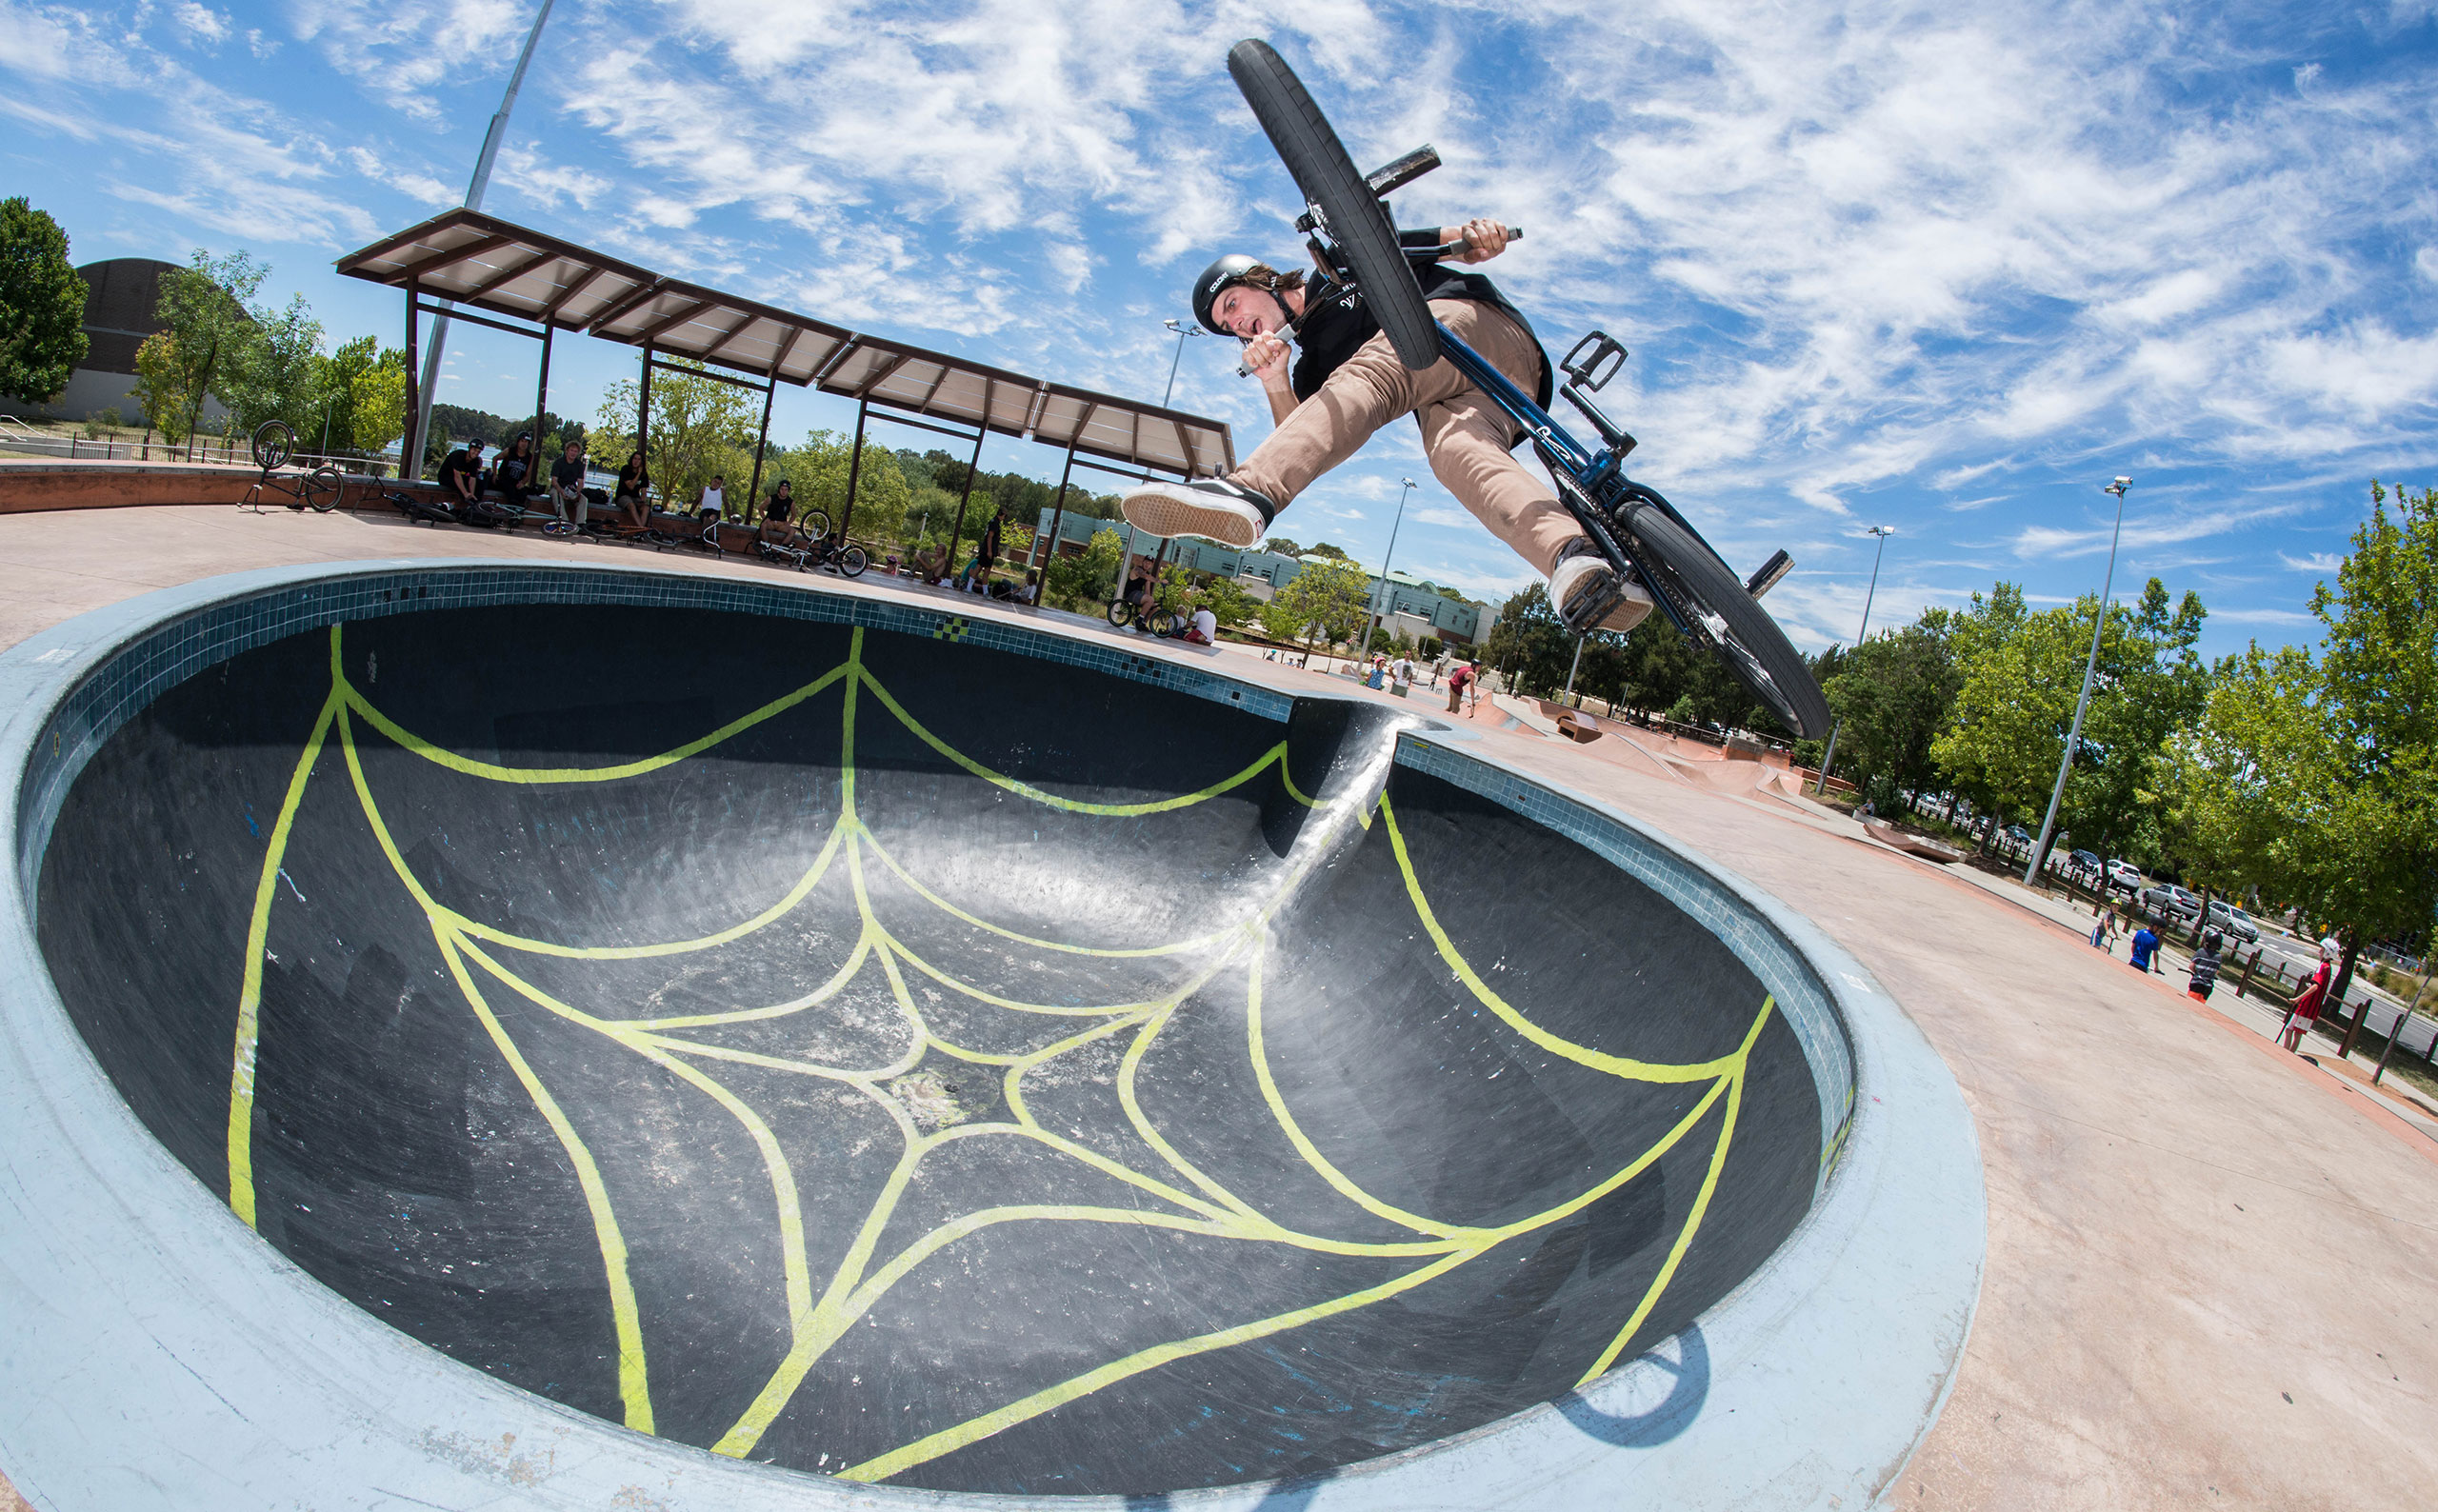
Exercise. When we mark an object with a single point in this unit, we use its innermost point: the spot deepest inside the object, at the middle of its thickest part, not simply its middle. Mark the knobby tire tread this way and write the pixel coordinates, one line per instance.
(1714, 586)
(1328, 178)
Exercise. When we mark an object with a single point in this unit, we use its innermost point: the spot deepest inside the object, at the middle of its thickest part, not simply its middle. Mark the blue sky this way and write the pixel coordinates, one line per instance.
(1948, 269)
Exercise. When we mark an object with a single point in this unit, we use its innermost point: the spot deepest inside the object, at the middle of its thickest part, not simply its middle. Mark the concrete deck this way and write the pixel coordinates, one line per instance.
(2211, 1276)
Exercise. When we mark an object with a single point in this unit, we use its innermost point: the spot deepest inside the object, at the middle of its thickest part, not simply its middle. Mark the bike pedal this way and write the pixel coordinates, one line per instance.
(1593, 373)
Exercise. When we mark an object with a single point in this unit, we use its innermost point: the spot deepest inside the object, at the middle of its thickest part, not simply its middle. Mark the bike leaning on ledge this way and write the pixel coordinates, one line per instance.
(317, 490)
(1355, 243)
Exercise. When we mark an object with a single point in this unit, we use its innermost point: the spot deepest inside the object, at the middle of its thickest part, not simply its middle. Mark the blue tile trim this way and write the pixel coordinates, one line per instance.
(1802, 997)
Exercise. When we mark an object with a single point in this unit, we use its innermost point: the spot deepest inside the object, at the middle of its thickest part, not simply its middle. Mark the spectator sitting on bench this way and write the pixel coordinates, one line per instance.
(929, 564)
(513, 472)
(633, 492)
(779, 516)
(1030, 592)
(712, 503)
(461, 476)
(566, 484)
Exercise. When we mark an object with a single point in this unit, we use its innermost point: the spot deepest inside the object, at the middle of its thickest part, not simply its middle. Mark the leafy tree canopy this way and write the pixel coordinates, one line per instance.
(42, 305)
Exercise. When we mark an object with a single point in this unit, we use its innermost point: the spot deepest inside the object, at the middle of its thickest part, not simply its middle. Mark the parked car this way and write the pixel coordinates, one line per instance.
(2016, 834)
(2123, 875)
(2224, 915)
(2168, 898)
(2083, 861)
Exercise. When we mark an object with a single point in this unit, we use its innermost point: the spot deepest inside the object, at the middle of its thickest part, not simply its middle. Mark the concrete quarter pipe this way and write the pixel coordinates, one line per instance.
(913, 1062)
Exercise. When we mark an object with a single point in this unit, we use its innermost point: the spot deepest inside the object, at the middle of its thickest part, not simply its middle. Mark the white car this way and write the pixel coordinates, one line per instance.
(2124, 876)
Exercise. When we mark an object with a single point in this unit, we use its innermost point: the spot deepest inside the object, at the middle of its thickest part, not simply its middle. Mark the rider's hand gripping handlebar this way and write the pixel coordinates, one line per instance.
(1422, 254)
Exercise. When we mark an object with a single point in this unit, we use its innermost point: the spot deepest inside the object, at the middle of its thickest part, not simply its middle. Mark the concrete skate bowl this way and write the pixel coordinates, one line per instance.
(850, 1052)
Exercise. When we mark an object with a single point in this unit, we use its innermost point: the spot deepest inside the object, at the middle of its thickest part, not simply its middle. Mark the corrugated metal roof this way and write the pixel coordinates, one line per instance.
(493, 264)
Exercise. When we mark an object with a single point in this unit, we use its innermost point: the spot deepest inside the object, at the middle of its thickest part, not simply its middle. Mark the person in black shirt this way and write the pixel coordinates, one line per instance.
(513, 472)
(634, 493)
(566, 483)
(1348, 383)
(778, 515)
(461, 475)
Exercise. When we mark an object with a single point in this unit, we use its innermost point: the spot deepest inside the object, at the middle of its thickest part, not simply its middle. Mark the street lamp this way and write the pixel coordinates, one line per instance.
(2090, 667)
(1182, 330)
(1384, 590)
(1883, 531)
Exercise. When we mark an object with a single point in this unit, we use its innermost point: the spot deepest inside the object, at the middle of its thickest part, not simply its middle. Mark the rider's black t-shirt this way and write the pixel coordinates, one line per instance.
(567, 475)
(1336, 323)
(780, 507)
(458, 465)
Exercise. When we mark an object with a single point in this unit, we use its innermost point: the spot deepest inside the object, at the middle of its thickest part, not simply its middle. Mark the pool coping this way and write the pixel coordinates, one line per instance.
(1817, 1376)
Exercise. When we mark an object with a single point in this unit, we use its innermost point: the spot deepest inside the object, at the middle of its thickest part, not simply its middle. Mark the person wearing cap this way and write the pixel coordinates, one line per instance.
(461, 475)
(2305, 1013)
(1348, 383)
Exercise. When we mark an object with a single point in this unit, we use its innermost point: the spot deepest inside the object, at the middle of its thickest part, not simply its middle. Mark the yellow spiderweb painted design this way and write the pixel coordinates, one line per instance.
(822, 1308)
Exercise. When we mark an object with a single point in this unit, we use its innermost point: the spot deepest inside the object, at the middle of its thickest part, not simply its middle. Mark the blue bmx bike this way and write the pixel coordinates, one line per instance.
(1353, 242)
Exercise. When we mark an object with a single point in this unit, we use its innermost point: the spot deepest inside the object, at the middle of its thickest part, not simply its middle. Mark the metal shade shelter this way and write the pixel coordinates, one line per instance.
(481, 263)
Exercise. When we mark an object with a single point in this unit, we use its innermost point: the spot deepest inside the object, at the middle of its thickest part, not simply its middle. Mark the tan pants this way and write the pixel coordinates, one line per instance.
(1467, 437)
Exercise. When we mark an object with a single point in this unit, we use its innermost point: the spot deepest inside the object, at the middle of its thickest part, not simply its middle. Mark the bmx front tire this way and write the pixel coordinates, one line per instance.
(1357, 221)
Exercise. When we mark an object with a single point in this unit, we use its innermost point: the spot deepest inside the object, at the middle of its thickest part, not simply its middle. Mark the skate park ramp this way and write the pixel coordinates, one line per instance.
(906, 1058)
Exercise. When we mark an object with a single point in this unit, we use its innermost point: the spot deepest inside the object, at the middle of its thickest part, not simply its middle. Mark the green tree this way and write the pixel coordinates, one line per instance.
(699, 427)
(162, 380)
(1080, 582)
(1230, 603)
(2021, 676)
(42, 305)
(2316, 778)
(364, 389)
(1893, 695)
(1324, 548)
(202, 308)
(1326, 599)
(1528, 644)
(276, 370)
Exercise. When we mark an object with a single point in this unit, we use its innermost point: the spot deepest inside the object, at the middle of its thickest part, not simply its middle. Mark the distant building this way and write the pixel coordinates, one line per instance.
(1409, 605)
(120, 297)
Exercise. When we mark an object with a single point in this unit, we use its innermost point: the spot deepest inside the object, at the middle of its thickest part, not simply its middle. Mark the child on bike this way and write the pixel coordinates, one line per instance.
(1348, 383)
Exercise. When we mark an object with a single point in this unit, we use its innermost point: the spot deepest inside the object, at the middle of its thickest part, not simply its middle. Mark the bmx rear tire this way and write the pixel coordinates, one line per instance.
(1357, 221)
(324, 488)
(852, 561)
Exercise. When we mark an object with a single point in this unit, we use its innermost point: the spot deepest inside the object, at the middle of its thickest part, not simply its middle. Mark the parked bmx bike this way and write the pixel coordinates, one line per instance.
(1354, 243)
(318, 491)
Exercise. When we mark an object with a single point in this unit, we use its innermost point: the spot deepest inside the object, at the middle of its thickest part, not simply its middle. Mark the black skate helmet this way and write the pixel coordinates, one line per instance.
(1215, 281)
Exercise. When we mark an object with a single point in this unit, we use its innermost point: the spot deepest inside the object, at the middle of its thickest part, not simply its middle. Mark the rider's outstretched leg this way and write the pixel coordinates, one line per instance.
(1367, 391)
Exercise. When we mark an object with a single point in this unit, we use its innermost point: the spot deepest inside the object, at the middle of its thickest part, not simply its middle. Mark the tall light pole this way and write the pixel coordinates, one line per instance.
(1883, 531)
(1182, 330)
(1384, 590)
(411, 456)
(2090, 667)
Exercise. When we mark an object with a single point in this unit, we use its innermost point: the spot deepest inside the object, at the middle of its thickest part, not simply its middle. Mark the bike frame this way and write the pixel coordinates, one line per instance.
(1590, 483)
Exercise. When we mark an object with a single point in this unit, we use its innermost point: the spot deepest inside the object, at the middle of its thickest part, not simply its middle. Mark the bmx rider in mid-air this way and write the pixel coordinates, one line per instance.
(1348, 383)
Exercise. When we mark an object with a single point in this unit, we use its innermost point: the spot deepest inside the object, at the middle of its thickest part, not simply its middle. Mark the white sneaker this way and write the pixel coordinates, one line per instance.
(1582, 573)
(1213, 509)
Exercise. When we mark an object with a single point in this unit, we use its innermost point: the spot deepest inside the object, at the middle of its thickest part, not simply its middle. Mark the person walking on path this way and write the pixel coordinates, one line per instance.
(2205, 967)
(2104, 932)
(2146, 946)
(2305, 1013)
